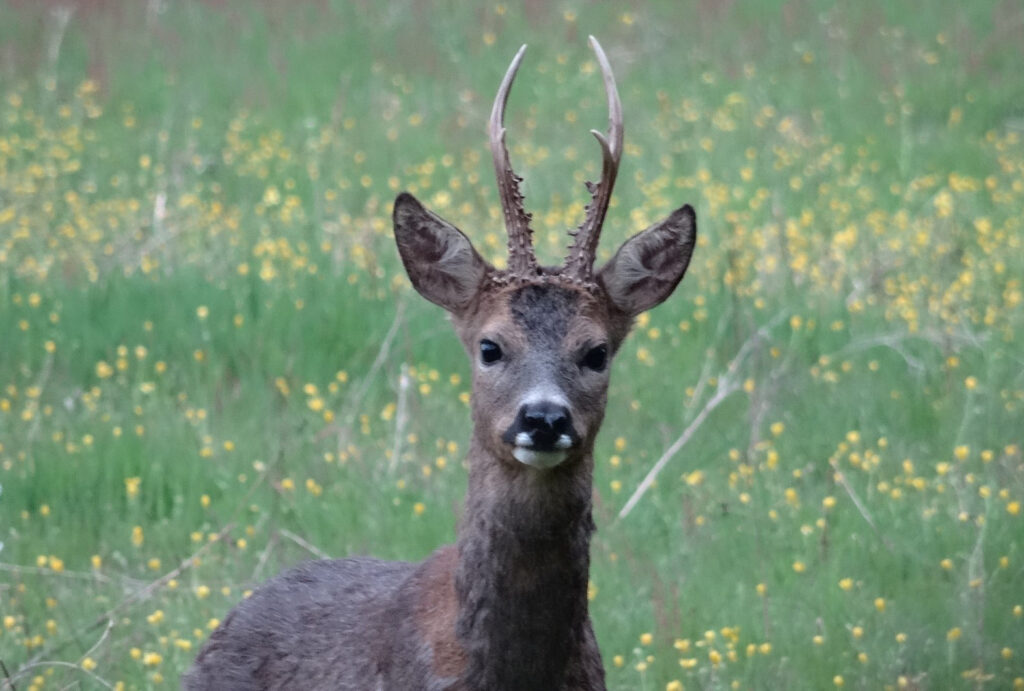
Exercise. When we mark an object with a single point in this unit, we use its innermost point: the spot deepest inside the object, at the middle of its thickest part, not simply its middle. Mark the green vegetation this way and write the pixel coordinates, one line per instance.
(204, 327)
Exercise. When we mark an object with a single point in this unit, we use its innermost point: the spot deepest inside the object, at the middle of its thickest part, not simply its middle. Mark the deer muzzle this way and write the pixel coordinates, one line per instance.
(542, 434)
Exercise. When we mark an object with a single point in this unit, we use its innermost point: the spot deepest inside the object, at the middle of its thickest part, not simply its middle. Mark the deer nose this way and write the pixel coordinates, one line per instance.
(546, 423)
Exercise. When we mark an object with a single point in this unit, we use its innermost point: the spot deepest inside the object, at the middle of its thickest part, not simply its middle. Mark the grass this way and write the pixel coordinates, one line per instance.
(204, 325)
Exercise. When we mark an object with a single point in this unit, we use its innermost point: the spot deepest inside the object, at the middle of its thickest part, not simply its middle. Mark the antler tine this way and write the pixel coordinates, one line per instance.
(580, 262)
(521, 259)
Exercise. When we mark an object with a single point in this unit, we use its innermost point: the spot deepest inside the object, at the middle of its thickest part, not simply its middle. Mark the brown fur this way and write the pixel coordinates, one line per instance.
(436, 612)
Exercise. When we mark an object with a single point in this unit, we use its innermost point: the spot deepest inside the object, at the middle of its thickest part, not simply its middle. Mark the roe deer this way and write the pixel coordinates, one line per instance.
(506, 606)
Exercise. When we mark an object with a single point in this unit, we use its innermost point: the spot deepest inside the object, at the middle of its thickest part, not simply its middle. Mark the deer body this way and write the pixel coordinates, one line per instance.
(505, 608)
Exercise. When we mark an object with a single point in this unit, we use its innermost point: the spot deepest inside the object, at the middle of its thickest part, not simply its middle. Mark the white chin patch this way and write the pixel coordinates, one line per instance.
(538, 459)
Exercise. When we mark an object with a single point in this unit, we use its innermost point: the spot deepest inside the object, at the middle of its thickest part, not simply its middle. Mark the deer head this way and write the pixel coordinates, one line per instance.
(541, 338)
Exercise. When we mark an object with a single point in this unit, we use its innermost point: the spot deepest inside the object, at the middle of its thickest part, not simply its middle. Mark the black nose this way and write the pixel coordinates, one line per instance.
(545, 422)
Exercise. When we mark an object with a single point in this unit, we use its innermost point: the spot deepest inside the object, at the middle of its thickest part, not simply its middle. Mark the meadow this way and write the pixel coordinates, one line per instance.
(212, 365)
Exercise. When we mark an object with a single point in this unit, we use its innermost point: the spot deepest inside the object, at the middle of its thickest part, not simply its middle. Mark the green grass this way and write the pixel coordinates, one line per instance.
(197, 275)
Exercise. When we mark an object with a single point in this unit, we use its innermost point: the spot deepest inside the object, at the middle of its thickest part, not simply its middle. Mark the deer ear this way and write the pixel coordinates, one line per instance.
(440, 261)
(649, 265)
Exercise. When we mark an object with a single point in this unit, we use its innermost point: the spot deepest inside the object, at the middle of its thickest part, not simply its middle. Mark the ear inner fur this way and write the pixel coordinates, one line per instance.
(648, 266)
(439, 259)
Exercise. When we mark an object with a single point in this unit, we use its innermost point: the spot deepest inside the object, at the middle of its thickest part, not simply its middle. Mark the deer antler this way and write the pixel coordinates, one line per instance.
(580, 262)
(521, 259)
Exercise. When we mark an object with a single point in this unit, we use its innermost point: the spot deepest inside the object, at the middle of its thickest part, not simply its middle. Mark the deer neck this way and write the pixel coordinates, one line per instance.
(522, 575)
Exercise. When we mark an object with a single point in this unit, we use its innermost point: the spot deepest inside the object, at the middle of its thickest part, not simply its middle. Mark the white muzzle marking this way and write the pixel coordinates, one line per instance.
(525, 454)
(538, 459)
(546, 393)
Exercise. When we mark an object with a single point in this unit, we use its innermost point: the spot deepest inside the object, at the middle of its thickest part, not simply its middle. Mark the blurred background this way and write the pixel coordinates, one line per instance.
(212, 365)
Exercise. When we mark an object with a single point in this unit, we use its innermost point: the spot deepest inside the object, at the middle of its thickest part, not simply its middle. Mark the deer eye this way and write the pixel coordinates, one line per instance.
(490, 352)
(596, 358)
